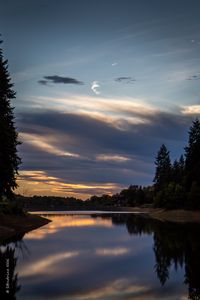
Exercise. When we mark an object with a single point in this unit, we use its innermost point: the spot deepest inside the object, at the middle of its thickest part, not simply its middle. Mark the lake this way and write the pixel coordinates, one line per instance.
(110, 256)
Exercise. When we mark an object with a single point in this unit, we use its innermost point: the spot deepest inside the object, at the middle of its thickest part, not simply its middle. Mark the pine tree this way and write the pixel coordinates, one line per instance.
(178, 170)
(192, 156)
(163, 169)
(9, 160)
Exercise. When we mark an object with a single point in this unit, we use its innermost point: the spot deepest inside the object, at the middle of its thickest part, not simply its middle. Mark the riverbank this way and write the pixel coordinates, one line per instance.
(12, 226)
(177, 216)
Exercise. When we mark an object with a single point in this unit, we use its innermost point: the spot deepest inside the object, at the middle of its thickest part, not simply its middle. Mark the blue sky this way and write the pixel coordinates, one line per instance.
(100, 86)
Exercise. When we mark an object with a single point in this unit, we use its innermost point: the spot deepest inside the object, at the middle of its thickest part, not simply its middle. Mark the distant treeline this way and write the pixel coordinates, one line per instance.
(176, 185)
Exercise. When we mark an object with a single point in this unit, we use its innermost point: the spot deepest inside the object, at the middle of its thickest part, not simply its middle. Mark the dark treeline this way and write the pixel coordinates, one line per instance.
(38, 203)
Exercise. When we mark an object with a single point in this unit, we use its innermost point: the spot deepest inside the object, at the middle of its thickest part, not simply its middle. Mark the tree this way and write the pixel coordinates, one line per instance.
(178, 170)
(192, 156)
(163, 169)
(9, 160)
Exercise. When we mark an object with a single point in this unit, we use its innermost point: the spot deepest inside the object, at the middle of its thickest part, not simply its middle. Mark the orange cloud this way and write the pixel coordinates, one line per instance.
(40, 183)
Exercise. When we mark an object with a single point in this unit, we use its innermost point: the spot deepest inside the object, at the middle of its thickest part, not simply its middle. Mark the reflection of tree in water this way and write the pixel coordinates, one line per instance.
(175, 245)
(8, 260)
(9, 279)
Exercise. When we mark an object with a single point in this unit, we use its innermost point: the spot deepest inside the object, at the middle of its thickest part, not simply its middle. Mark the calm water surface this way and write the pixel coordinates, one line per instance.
(109, 256)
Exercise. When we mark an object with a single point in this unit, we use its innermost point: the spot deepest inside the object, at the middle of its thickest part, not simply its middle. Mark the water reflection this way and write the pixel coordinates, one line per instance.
(8, 277)
(175, 245)
(102, 257)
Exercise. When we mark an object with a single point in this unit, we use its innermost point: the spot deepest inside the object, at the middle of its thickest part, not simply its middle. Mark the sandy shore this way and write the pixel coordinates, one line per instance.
(12, 226)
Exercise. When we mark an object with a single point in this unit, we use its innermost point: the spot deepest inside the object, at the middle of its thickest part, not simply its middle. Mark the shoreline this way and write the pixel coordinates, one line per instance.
(163, 215)
(14, 227)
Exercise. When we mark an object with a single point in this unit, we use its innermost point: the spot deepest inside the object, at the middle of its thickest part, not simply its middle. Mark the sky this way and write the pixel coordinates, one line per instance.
(100, 86)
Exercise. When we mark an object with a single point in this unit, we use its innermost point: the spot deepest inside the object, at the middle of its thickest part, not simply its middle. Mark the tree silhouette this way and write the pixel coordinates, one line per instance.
(163, 168)
(192, 166)
(9, 160)
(192, 155)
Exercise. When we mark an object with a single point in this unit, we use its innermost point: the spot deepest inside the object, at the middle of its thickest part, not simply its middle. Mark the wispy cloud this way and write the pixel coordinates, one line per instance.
(126, 79)
(43, 143)
(95, 87)
(191, 110)
(114, 158)
(114, 64)
(34, 182)
(194, 77)
(59, 79)
(110, 110)
(43, 82)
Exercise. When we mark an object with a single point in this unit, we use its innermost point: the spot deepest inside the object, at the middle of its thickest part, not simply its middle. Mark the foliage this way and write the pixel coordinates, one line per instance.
(9, 160)
(171, 197)
(163, 168)
(192, 156)
(177, 185)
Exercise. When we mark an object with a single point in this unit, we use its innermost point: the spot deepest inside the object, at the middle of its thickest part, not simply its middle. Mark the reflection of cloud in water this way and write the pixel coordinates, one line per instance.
(46, 265)
(112, 251)
(60, 222)
(115, 290)
(89, 258)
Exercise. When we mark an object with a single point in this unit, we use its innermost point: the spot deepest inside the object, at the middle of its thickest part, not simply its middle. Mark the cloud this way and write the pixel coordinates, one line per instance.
(43, 143)
(114, 64)
(191, 110)
(194, 77)
(59, 79)
(95, 87)
(112, 158)
(116, 111)
(125, 79)
(43, 82)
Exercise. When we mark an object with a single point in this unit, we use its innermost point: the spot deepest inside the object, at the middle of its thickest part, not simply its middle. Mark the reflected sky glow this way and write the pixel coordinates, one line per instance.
(80, 257)
(47, 265)
(60, 222)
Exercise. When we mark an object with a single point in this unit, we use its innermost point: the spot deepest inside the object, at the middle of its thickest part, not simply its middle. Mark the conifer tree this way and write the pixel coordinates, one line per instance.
(9, 160)
(192, 156)
(178, 170)
(163, 169)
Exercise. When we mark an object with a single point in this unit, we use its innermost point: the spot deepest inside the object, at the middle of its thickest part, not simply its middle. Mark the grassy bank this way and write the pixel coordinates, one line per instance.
(12, 226)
